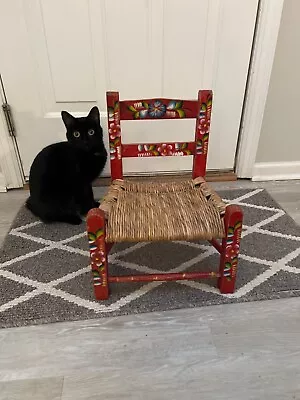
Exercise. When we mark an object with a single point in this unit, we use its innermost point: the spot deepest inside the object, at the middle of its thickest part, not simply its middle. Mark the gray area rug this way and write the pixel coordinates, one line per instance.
(45, 274)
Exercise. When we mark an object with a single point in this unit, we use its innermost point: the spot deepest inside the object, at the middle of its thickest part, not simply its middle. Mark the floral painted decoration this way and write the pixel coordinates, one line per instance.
(203, 127)
(163, 149)
(113, 112)
(202, 144)
(97, 258)
(232, 250)
(157, 109)
(114, 131)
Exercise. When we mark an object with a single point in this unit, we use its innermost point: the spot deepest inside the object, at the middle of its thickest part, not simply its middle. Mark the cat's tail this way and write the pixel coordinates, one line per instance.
(54, 215)
(28, 204)
(31, 207)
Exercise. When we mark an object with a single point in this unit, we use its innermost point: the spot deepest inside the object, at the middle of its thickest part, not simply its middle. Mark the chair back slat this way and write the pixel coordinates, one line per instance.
(156, 109)
(158, 149)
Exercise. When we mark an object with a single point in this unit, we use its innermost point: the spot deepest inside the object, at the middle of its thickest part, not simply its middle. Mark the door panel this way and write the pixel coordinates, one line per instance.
(68, 41)
(65, 54)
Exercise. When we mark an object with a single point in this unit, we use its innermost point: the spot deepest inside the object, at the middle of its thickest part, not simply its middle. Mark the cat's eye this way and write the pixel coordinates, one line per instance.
(76, 134)
(91, 132)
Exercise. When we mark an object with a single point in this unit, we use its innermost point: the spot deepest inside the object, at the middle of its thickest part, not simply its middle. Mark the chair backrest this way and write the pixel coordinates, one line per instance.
(149, 109)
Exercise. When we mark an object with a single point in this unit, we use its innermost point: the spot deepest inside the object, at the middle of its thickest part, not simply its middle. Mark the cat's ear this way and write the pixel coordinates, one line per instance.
(68, 119)
(94, 115)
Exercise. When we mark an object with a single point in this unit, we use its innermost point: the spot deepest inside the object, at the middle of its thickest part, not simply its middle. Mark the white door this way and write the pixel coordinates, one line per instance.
(64, 54)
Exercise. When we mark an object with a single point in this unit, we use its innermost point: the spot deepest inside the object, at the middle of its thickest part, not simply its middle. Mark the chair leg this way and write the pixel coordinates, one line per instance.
(98, 252)
(233, 220)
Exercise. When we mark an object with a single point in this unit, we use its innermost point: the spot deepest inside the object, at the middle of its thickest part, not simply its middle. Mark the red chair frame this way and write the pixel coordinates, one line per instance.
(200, 110)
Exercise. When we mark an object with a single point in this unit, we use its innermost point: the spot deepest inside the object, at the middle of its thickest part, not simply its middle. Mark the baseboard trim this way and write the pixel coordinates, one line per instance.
(280, 171)
(211, 176)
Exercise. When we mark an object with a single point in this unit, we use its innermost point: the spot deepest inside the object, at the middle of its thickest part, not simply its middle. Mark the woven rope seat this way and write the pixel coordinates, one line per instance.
(153, 211)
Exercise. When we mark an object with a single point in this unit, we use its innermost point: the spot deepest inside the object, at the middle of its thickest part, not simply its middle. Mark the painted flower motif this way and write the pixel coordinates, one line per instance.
(232, 250)
(98, 258)
(172, 105)
(143, 113)
(111, 114)
(204, 125)
(165, 149)
(157, 109)
(175, 109)
(112, 152)
(202, 113)
(114, 131)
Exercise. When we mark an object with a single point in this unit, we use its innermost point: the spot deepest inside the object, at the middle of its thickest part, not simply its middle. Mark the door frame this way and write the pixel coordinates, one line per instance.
(261, 64)
(263, 52)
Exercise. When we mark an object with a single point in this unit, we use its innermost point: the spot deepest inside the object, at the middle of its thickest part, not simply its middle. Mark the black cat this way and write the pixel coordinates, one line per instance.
(61, 175)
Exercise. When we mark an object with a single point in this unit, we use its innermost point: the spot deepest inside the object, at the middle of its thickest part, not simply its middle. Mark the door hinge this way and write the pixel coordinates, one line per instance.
(9, 120)
(7, 112)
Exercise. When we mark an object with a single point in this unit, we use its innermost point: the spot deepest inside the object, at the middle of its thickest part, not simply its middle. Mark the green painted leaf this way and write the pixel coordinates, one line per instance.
(152, 147)
(155, 153)
(136, 115)
(116, 107)
(146, 105)
(181, 113)
(131, 108)
(184, 146)
(205, 137)
(238, 225)
(230, 230)
(178, 105)
(209, 102)
(188, 152)
(99, 233)
(92, 237)
(203, 107)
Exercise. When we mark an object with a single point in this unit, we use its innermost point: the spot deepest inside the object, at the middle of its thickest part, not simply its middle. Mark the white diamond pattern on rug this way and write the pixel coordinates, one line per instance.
(45, 276)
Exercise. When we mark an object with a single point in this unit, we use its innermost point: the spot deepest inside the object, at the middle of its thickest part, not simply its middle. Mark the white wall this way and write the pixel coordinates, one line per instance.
(278, 154)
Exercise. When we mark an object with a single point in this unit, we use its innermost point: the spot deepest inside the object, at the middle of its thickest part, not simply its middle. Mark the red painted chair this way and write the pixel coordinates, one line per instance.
(155, 210)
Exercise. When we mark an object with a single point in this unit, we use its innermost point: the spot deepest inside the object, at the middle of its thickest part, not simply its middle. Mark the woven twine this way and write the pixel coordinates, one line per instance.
(149, 211)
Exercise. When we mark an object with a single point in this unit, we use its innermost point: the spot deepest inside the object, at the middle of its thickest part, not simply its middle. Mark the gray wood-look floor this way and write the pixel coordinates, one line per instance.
(238, 351)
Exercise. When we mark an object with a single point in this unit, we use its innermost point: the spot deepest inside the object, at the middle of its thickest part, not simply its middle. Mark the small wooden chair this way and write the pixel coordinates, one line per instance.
(155, 210)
